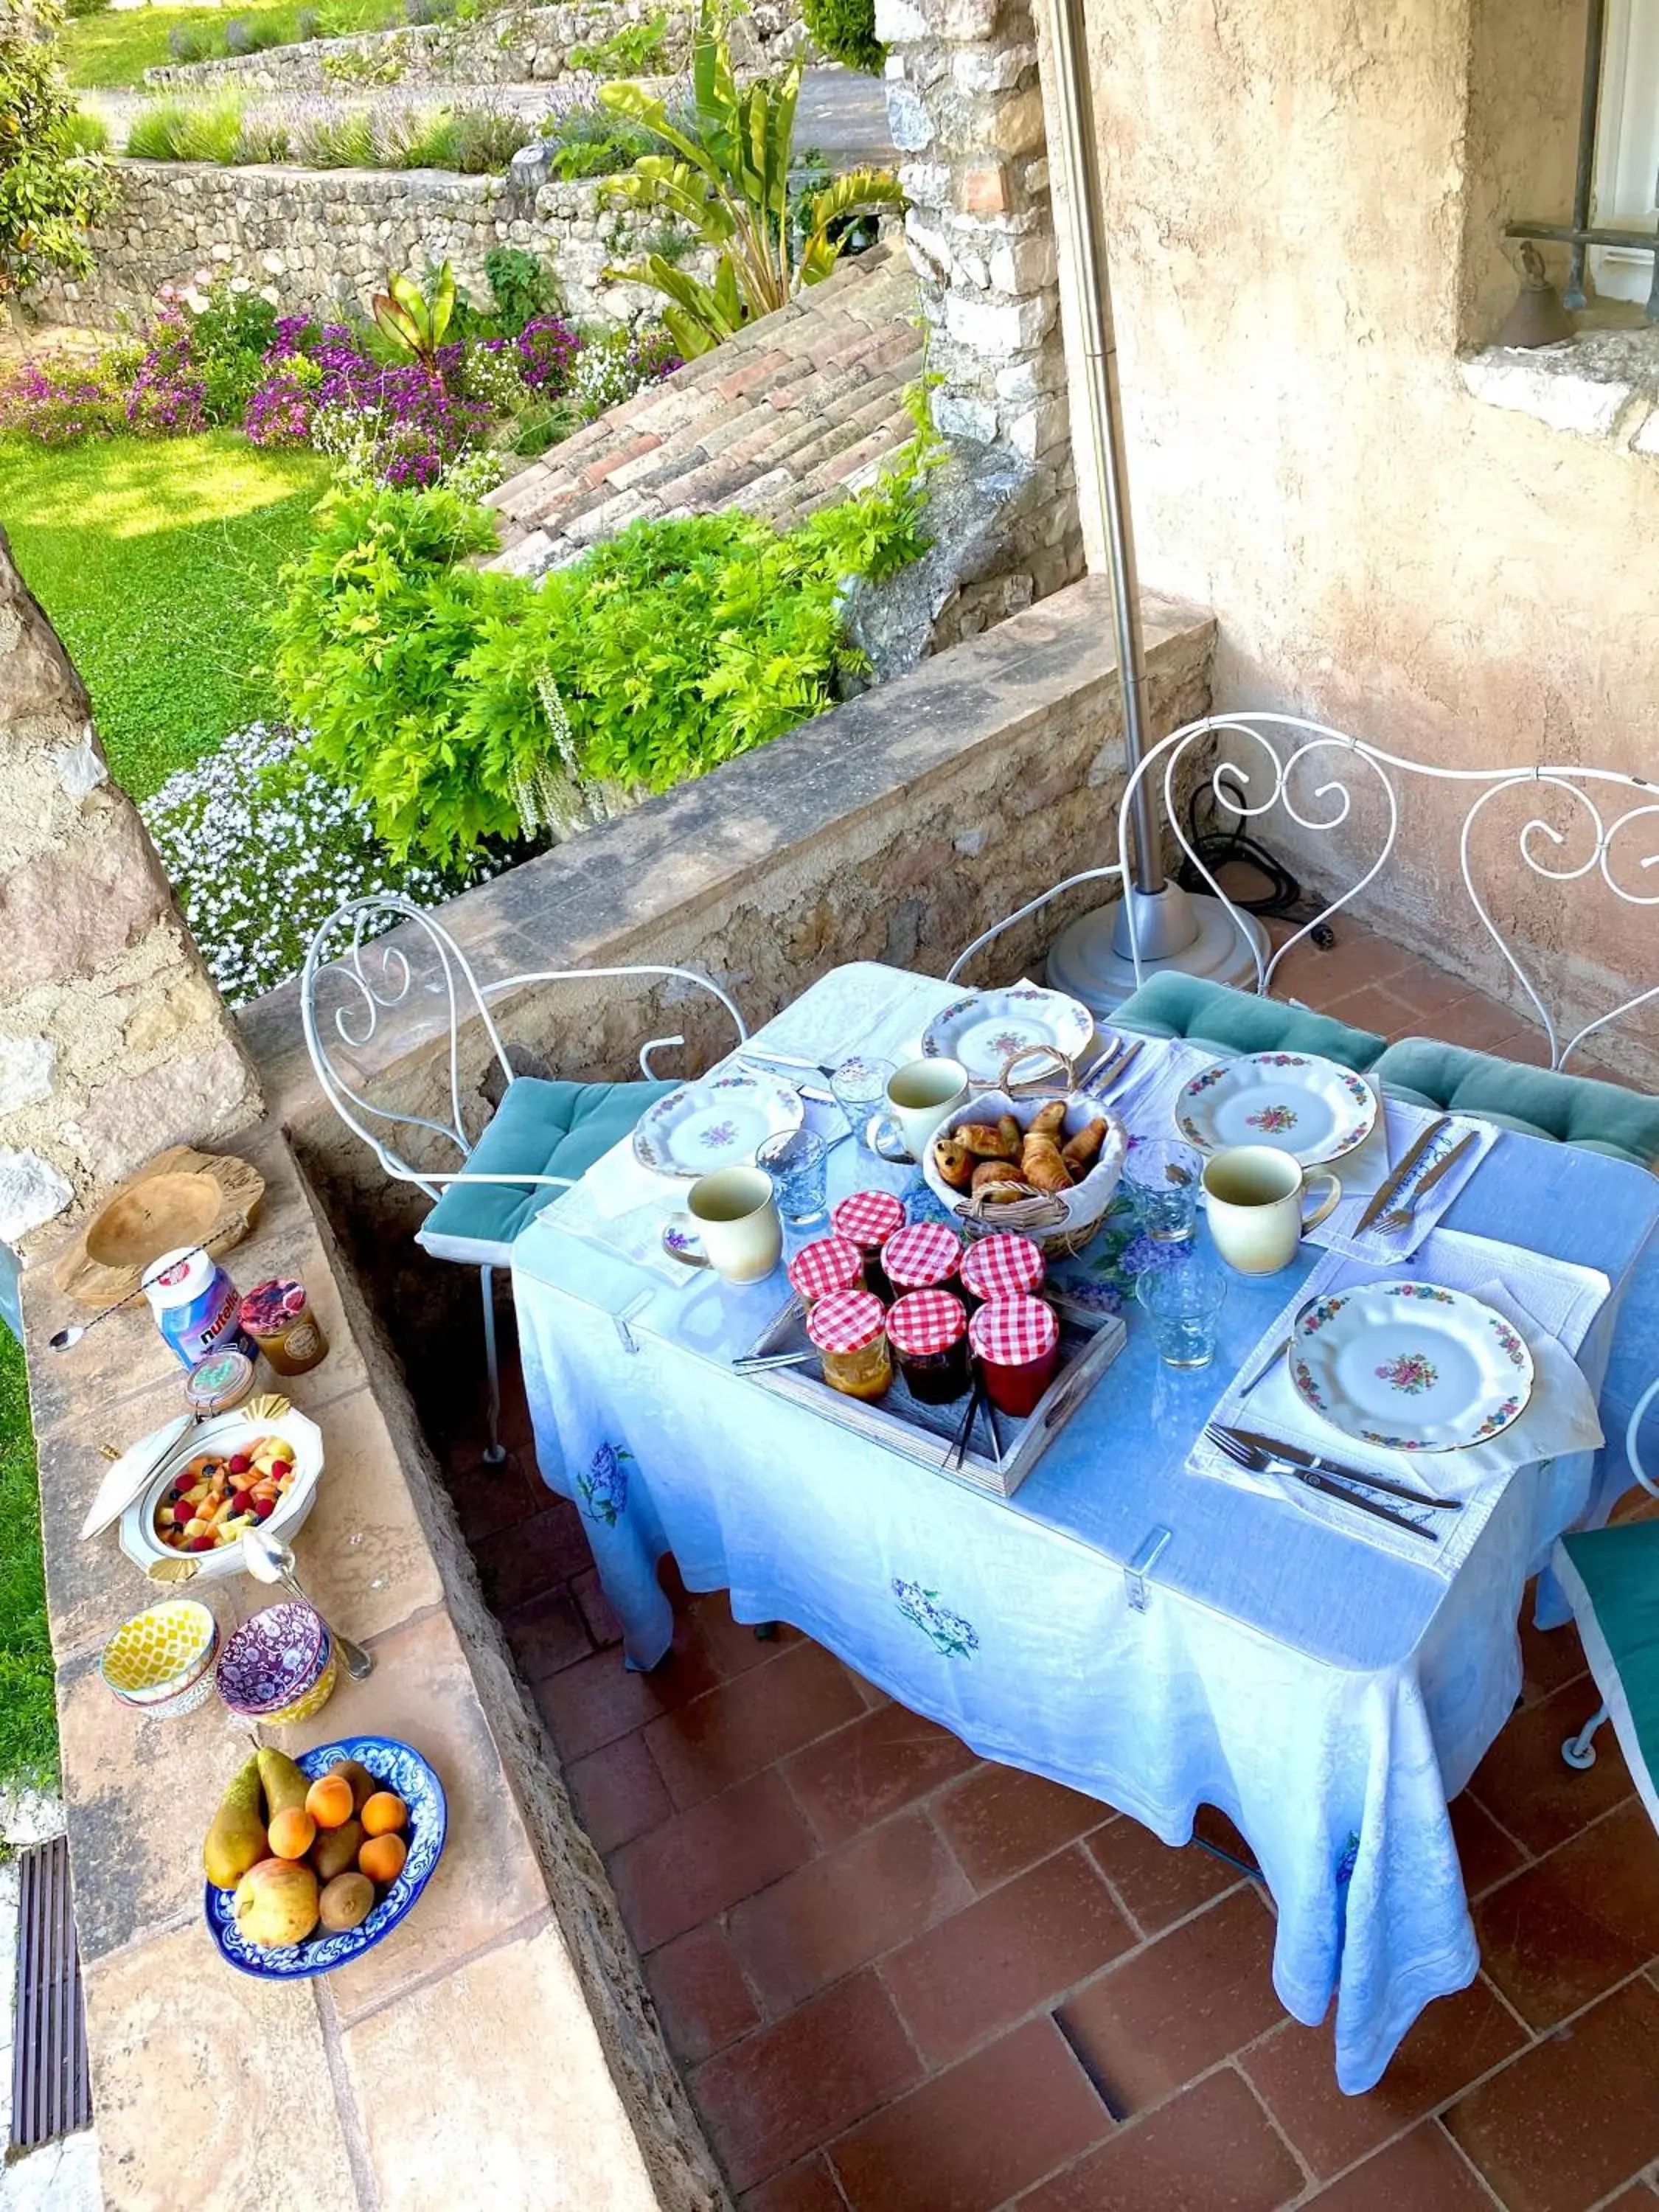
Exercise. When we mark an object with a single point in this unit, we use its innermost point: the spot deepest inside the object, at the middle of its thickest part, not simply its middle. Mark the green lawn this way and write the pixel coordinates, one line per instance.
(113, 49)
(28, 1724)
(154, 557)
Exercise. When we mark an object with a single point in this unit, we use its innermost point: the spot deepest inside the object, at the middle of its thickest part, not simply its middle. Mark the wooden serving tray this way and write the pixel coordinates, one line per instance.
(925, 1433)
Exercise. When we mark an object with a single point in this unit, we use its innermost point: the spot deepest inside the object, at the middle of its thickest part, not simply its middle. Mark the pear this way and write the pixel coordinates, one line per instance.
(236, 1840)
(285, 1786)
(336, 1850)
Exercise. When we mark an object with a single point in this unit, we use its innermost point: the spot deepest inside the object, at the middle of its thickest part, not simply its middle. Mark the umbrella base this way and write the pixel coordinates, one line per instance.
(1192, 936)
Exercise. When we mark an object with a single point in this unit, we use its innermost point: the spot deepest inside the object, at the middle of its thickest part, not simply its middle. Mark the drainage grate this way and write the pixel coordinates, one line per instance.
(50, 2093)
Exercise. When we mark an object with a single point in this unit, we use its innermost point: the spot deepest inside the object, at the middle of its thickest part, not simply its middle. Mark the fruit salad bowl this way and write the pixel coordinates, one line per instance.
(397, 1767)
(229, 1441)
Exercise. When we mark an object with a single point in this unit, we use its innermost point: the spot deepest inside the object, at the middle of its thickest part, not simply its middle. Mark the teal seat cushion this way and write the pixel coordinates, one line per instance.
(1173, 1006)
(539, 1128)
(1572, 1110)
(1611, 1577)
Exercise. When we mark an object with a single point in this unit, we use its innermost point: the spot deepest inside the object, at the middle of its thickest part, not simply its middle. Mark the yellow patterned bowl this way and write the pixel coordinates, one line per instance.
(162, 1661)
(312, 1699)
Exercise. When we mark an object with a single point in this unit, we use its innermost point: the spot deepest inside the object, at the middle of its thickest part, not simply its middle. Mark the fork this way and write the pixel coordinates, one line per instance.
(1403, 1215)
(1260, 1462)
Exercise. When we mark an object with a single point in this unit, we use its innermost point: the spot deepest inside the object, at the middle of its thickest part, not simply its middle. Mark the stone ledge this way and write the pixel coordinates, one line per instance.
(1602, 385)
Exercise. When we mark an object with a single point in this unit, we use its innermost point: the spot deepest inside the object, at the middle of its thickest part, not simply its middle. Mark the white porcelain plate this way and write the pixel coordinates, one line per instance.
(1410, 1366)
(719, 1123)
(1309, 1107)
(986, 1027)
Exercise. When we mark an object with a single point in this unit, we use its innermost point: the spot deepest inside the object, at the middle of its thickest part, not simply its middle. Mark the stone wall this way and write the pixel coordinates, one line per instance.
(311, 238)
(513, 46)
(113, 1043)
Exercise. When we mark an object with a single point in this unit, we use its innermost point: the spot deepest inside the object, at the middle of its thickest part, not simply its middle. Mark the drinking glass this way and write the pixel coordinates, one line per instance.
(1161, 1182)
(860, 1091)
(1181, 1300)
(798, 1162)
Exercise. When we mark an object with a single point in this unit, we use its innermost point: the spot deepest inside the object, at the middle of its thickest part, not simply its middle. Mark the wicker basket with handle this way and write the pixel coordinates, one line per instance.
(1061, 1222)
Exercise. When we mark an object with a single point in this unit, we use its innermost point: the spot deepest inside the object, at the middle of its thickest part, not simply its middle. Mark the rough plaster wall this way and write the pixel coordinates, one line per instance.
(113, 1043)
(1289, 193)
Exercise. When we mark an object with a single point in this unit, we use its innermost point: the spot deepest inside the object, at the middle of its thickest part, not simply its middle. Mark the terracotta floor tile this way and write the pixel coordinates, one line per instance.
(781, 2092)
(707, 1860)
(532, 1556)
(1178, 2005)
(871, 1768)
(1567, 1929)
(1023, 1946)
(1157, 1885)
(1575, 2116)
(1483, 1024)
(602, 1623)
(1000, 1820)
(1640, 2198)
(1423, 2171)
(808, 2187)
(1211, 1827)
(977, 2134)
(1549, 1657)
(1375, 1006)
(732, 1645)
(1486, 1854)
(618, 1791)
(599, 1699)
(1452, 2043)
(847, 1907)
(1211, 2149)
(546, 1633)
(1358, 956)
(702, 1998)
(1527, 1787)
(706, 1745)
(489, 1498)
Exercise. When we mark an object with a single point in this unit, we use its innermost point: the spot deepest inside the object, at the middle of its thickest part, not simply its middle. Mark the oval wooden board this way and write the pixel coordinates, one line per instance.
(239, 1190)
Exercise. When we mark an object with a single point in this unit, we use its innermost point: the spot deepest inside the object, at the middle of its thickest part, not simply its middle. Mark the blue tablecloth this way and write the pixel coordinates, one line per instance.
(1329, 1697)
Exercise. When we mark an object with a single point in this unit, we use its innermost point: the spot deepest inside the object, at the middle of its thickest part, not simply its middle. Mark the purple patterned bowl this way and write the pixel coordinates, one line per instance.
(273, 1660)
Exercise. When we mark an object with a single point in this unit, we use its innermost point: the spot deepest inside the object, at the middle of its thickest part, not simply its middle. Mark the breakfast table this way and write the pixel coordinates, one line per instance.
(1132, 1622)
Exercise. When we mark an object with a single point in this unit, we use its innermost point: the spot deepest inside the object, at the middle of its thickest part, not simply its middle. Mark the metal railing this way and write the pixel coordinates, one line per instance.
(1581, 233)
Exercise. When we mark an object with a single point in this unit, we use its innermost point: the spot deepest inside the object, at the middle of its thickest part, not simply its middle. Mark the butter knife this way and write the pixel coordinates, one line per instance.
(1443, 1168)
(1374, 1506)
(1316, 1463)
(1392, 1184)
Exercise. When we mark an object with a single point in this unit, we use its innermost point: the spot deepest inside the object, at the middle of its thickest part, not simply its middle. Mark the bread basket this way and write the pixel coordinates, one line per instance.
(1062, 1222)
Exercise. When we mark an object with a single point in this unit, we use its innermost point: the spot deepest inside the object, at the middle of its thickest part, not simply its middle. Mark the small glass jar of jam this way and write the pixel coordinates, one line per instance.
(1016, 1343)
(923, 1256)
(1001, 1268)
(849, 1328)
(277, 1315)
(867, 1219)
(928, 1332)
(828, 1263)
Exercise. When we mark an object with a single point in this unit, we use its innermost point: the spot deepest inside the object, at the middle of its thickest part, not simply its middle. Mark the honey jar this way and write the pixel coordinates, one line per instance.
(849, 1328)
(278, 1317)
(828, 1263)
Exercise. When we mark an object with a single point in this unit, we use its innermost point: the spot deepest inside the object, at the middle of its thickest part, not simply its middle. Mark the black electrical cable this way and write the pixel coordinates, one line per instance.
(1216, 847)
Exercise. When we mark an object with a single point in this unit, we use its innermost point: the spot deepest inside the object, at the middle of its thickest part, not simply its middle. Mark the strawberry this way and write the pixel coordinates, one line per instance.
(207, 1543)
(240, 1463)
(264, 1507)
(241, 1501)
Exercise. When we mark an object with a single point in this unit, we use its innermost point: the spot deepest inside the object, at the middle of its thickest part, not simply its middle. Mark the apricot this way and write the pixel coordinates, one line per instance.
(328, 1801)
(292, 1833)
(382, 1813)
(381, 1857)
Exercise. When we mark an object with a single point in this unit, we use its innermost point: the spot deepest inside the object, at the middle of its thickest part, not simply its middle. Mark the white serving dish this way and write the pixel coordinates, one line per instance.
(138, 1538)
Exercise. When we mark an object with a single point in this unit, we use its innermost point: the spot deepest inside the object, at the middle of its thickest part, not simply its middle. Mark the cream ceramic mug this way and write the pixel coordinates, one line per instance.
(738, 1223)
(1254, 1198)
(921, 1097)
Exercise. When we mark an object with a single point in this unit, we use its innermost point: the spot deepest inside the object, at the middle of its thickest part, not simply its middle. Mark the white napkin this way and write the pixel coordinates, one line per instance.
(1145, 1101)
(1560, 1303)
(1405, 1124)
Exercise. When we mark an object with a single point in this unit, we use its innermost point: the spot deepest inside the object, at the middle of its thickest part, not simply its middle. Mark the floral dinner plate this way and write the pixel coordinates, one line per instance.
(1410, 1366)
(1296, 1103)
(985, 1028)
(721, 1122)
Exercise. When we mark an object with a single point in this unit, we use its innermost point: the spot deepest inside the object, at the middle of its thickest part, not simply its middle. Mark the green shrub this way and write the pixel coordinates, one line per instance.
(334, 142)
(522, 286)
(51, 190)
(634, 50)
(487, 138)
(593, 142)
(181, 131)
(846, 31)
(75, 9)
(85, 134)
(194, 42)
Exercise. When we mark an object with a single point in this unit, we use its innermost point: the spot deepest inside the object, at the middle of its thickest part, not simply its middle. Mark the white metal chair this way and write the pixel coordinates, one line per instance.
(542, 1137)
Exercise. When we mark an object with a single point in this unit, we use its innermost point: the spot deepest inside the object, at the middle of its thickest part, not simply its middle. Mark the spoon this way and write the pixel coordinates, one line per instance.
(268, 1561)
(62, 1340)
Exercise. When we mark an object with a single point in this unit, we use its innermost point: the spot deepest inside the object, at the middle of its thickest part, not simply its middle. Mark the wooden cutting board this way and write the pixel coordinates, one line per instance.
(181, 1197)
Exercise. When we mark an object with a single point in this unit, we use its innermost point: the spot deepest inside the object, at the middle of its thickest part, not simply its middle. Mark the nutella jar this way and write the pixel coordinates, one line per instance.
(867, 1219)
(849, 1329)
(924, 1256)
(928, 1332)
(278, 1317)
(828, 1263)
(1002, 1267)
(1016, 1343)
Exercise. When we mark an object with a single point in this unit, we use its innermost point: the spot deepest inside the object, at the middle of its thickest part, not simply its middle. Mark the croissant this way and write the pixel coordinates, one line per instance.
(1040, 1162)
(1048, 1120)
(988, 1141)
(954, 1162)
(1078, 1151)
(1001, 1176)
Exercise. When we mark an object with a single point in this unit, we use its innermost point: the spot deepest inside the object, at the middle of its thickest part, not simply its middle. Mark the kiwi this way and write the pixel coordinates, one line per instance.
(346, 1900)
(337, 1848)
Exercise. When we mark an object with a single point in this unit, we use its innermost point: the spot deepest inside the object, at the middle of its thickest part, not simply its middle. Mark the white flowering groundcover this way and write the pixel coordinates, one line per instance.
(261, 849)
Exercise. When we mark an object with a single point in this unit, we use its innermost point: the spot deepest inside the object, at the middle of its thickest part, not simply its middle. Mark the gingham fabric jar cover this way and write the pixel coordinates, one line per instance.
(1002, 1267)
(925, 1321)
(829, 1263)
(869, 1218)
(846, 1321)
(921, 1255)
(1013, 1332)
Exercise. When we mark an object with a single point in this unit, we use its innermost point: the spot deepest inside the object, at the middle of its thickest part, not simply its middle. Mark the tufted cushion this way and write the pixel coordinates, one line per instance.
(1175, 1006)
(538, 1128)
(1573, 1110)
(1611, 1577)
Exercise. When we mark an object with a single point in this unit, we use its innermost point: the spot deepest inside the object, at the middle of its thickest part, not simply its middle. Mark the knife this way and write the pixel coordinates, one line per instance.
(1115, 1075)
(1378, 1512)
(1392, 1185)
(1443, 1168)
(1313, 1463)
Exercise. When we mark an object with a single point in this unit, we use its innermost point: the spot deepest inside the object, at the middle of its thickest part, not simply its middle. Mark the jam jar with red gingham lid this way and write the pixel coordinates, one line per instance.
(828, 1263)
(1002, 1267)
(924, 1256)
(1016, 1343)
(867, 1219)
(928, 1332)
(849, 1328)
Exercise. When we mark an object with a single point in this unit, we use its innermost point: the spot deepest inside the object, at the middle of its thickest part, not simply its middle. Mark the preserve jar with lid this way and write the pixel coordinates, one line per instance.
(1002, 1267)
(924, 1256)
(828, 1263)
(849, 1328)
(1016, 1343)
(928, 1332)
(216, 1383)
(867, 1219)
(277, 1315)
